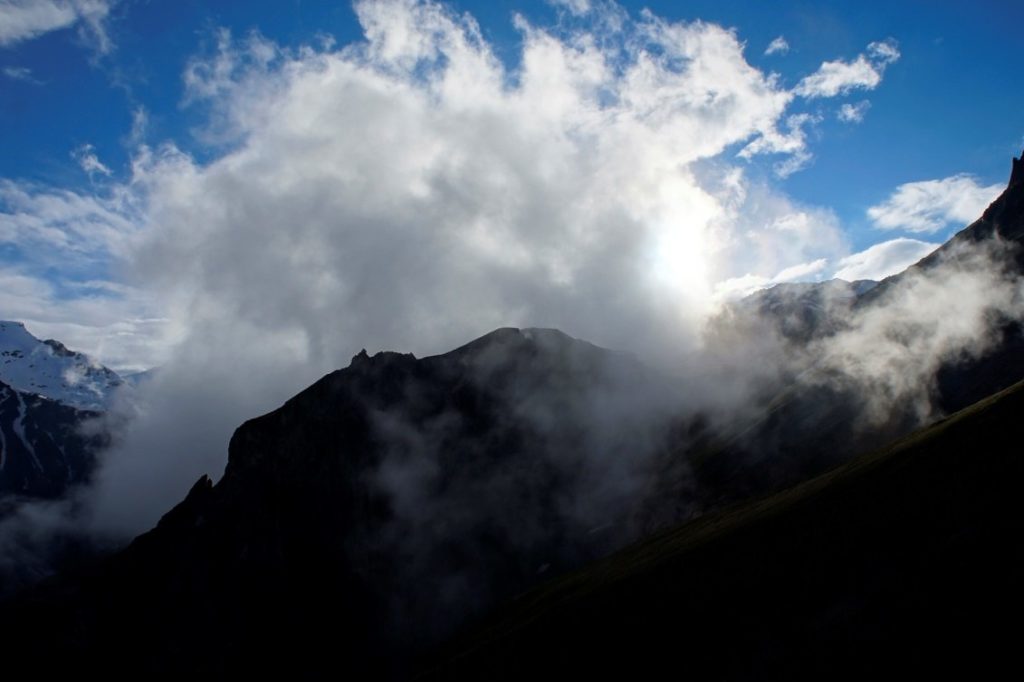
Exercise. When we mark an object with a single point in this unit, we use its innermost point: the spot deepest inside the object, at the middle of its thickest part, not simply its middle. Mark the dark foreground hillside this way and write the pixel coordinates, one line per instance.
(907, 561)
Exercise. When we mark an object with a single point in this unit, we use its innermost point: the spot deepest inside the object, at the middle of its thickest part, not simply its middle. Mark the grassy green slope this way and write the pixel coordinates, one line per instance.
(907, 560)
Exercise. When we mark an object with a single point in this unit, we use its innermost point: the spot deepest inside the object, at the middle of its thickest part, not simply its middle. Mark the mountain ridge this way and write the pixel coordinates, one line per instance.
(398, 498)
(49, 368)
(838, 575)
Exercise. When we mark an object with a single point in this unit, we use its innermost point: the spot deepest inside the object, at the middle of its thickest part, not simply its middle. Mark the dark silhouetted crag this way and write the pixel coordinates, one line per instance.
(905, 563)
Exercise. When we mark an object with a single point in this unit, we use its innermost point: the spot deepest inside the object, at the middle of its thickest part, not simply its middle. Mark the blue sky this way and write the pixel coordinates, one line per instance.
(89, 88)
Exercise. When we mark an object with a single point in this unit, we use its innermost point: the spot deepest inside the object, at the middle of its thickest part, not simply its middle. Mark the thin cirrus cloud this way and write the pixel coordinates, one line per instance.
(840, 77)
(932, 205)
(20, 73)
(882, 260)
(22, 20)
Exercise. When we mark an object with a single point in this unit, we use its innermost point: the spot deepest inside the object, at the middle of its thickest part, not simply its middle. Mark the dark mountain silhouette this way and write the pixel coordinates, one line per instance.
(802, 428)
(904, 563)
(369, 516)
(803, 311)
(396, 500)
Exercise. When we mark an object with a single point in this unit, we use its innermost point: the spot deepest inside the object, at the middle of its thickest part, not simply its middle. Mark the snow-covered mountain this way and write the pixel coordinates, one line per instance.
(49, 369)
(44, 445)
(48, 396)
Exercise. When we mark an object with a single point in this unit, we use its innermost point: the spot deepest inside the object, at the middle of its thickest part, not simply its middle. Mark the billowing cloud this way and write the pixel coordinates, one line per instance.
(411, 192)
(840, 77)
(22, 20)
(777, 46)
(932, 205)
(853, 113)
(881, 260)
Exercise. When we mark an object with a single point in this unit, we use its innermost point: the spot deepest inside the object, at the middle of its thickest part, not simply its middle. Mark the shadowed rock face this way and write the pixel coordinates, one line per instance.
(905, 561)
(43, 449)
(373, 513)
(48, 396)
(385, 505)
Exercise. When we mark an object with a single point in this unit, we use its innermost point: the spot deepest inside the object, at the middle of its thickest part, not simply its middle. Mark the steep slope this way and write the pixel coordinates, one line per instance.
(809, 415)
(907, 561)
(803, 311)
(49, 369)
(1002, 224)
(44, 447)
(48, 394)
(399, 497)
(391, 500)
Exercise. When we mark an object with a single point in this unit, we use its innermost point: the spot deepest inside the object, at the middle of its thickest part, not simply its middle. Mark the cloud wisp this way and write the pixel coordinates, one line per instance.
(778, 46)
(932, 205)
(22, 20)
(853, 113)
(841, 77)
(884, 259)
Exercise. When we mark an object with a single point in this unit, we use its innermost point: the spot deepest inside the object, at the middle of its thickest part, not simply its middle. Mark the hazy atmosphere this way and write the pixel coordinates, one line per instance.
(238, 198)
(612, 172)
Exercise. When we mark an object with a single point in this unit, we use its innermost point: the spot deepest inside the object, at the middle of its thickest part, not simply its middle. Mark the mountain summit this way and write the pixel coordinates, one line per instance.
(396, 500)
(49, 369)
(392, 499)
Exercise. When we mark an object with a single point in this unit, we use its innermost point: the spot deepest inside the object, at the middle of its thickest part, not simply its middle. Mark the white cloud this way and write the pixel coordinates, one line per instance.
(793, 143)
(107, 321)
(801, 271)
(575, 7)
(932, 205)
(22, 20)
(840, 77)
(58, 245)
(853, 113)
(410, 192)
(741, 287)
(885, 51)
(777, 46)
(57, 227)
(890, 353)
(884, 259)
(90, 163)
(140, 126)
(20, 73)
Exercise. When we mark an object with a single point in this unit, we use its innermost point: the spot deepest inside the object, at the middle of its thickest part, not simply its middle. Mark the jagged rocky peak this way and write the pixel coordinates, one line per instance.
(48, 368)
(1017, 171)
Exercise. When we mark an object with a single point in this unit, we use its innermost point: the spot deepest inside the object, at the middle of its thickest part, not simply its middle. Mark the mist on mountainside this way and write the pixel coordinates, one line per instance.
(451, 197)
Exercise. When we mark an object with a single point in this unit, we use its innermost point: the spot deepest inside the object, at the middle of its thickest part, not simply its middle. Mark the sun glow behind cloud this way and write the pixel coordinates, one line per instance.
(412, 191)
